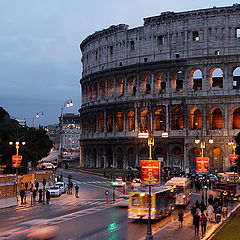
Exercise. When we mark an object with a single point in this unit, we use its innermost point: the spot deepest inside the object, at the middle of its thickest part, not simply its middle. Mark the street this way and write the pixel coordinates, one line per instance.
(86, 217)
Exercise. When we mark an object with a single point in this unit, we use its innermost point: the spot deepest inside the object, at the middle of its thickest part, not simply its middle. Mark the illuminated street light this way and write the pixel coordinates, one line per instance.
(38, 115)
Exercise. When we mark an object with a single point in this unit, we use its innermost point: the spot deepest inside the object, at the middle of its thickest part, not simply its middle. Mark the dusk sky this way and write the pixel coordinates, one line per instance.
(40, 64)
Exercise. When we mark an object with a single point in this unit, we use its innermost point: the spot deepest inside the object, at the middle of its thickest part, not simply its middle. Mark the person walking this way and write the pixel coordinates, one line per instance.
(26, 186)
(210, 212)
(196, 222)
(202, 206)
(22, 196)
(225, 211)
(193, 210)
(34, 196)
(48, 196)
(203, 221)
(25, 196)
(76, 191)
(71, 187)
(37, 185)
(40, 195)
(180, 218)
(218, 214)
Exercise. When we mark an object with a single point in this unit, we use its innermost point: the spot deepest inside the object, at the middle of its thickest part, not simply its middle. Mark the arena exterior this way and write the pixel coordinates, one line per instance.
(178, 73)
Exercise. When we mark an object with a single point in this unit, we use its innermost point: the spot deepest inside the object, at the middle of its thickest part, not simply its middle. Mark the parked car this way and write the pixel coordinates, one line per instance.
(55, 191)
(35, 230)
(212, 177)
(118, 182)
(136, 182)
(62, 186)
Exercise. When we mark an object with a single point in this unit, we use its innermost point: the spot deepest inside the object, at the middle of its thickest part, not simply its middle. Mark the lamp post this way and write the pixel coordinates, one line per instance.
(232, 144)
(203, 144)
(67, 104)
(38, 115)
(150, 138)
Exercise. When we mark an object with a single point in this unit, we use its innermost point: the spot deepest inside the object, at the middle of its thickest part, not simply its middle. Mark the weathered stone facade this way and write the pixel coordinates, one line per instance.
(179, 73)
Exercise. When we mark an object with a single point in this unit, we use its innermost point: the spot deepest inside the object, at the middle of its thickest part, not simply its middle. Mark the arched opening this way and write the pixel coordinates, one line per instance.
(143, 154)
(89, 89)
(177, 157)
(195, 152)
(144, 121)
(131, 157)
(197, 80)
(195, 119)
(109, 158)
(177, 119)
(119, 158)
(131, 86)
(100, 122)
(216, 78)
(216, 163)
(94, 158)
(109, 122)
(101, 158)
(95, 91)
(145, 85)
(160, 120)
(160, 155)
(216, 119)
(159, 82)
(236, 78)
(119, 121)
(110, 88)
(236, 119)
(131, 121)
(93, 123)
(120, 87)
(102, 89)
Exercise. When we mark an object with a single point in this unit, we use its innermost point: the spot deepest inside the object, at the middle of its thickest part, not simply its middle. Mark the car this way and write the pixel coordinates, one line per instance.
(118, 182)
(55, 191)
(62, 186)
(35, 230)
(123, 201)
(212, 177)
(136, 182)
(227, 186)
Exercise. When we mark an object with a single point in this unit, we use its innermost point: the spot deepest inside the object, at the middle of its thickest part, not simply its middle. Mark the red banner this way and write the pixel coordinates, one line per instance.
(16, 161)
(150, 171)
(232, 158)
(202, 164)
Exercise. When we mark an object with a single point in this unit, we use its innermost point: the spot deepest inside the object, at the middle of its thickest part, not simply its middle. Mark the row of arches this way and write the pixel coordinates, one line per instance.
(128, 121)
(160, 82)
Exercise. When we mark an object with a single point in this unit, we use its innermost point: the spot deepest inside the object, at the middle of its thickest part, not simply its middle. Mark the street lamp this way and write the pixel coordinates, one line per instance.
(38, 115)
(150, 138)
(203, 144)
(67, 104)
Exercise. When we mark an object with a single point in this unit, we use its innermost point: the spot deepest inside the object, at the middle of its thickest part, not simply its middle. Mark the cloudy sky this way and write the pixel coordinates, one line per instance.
(40, 63)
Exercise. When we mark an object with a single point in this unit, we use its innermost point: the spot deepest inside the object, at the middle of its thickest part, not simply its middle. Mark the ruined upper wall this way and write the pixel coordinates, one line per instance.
(199, 33)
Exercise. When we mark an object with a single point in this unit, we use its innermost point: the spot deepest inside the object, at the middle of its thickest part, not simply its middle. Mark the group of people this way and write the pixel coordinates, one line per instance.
(34, 193)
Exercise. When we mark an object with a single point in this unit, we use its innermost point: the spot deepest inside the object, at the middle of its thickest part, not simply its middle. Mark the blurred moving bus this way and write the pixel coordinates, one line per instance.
(183, 189)
(162, 202)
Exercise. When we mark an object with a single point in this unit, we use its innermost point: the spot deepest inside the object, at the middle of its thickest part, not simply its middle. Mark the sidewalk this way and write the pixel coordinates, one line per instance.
(171, 231)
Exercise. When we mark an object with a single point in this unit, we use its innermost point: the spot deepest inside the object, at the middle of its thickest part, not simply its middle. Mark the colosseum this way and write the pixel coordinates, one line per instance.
(178, 74)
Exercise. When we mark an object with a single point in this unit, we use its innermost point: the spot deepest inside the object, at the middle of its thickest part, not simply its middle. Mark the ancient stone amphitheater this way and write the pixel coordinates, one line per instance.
(178, 73)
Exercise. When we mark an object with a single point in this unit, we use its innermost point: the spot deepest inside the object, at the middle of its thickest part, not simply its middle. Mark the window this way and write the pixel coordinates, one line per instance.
(237, 32)
(217, 52)
(196, 36)
(145, 59)
(177, 55)
(132, 45)
(160, 40)
(111, 50)
(120, 64)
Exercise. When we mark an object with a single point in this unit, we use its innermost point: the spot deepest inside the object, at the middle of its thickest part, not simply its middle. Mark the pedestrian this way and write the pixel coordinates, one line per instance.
(40, 195)
(193, 210)
(196, 222)
(180, 218)
(34, 196)
(37, 185)
(203, 221)
(210, 212)
(22, 196)
(25, 196)
(197, 204)
(218, 214)
(26, 186)
(225, 211)
(68, 188)
(31, 196)
(202, 206)
(76, 191)
(48, 196)
(71, 187)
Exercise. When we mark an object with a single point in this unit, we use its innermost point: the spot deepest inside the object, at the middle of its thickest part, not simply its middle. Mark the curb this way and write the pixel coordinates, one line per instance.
(222, 223)
(87, 172)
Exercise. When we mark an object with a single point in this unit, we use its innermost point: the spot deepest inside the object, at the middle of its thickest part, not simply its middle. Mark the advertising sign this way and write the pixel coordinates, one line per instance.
(150, 171)
(16, 161)
(232, 158)
(202, 164)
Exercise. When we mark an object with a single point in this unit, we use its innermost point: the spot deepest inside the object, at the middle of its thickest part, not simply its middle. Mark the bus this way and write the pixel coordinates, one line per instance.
(162, 202)
(183, 190)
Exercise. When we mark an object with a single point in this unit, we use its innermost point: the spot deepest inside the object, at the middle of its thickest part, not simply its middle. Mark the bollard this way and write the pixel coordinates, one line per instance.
(107, 202)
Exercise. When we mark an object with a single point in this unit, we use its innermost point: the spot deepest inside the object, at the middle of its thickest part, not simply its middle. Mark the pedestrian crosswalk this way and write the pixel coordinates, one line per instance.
(78, 202)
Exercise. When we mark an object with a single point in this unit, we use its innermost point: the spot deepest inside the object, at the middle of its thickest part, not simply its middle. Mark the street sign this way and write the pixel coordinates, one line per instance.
(106, 192)
(232, 158)
(150, 171)
(16, 161)
(202, 164)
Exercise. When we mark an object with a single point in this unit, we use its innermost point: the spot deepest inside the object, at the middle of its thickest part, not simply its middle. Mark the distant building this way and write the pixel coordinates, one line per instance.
(53, 132)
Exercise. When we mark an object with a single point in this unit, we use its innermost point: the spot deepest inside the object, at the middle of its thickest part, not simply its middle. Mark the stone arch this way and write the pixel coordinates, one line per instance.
(144, 121)
(145, 85)
(94, 158)
(120, 86)
(195, 119)
(160, 154)
(119, 158)
(177, 81)
(119, 121)
(194, 152)
(216, 159)
(216, 118)
(100, 122)
(159, 82)
(131, 157)
(109, 158)
(216, 77)
(131, 85)
(109, 122)
(110, 88)
(101, 158)
(102, 89)
(236, 78)
(196, 78)
(95, 90)
(177, 156)
(143, 153)
(131, 121)
(236, 118)
(159, 120)
(177, 119)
